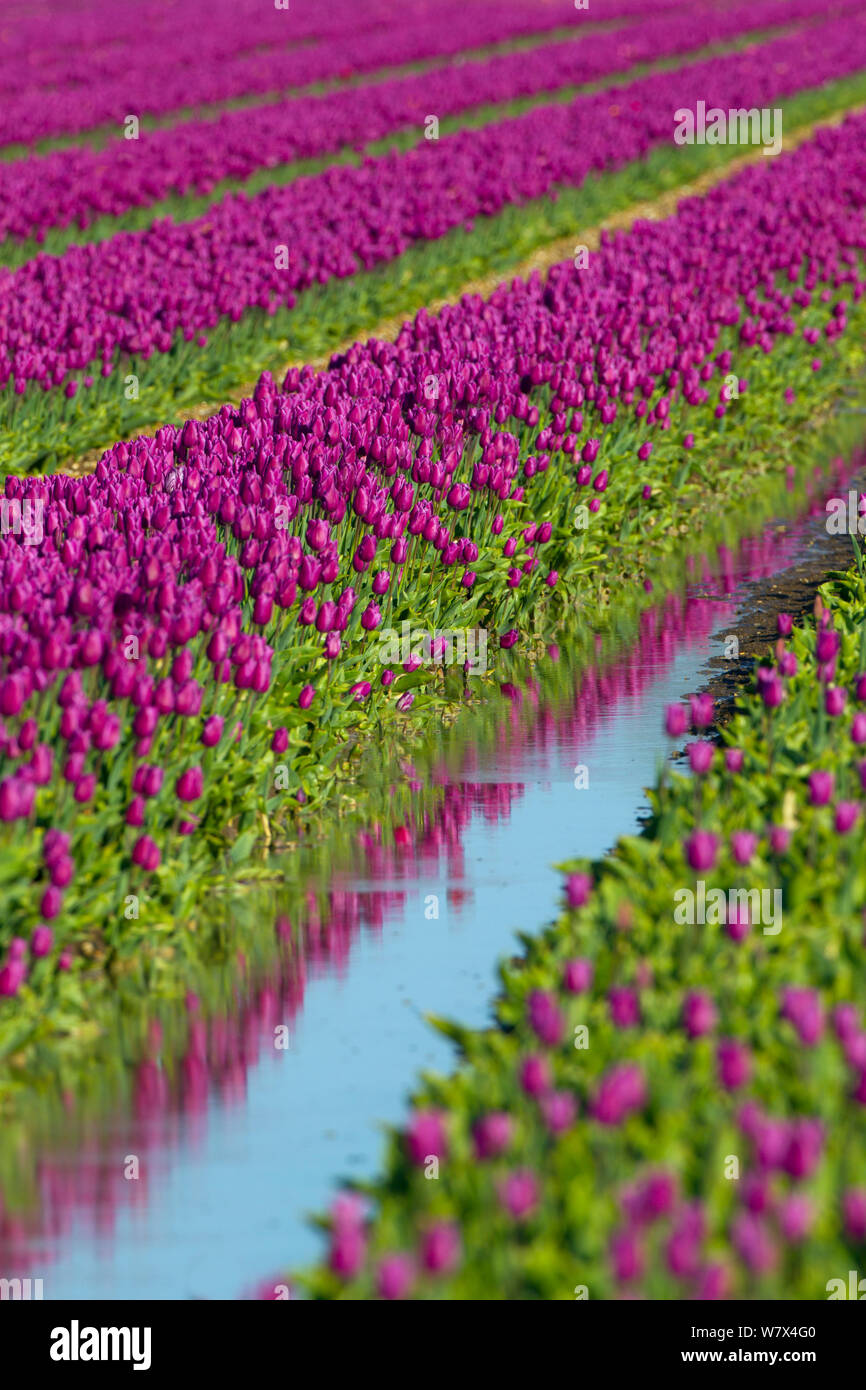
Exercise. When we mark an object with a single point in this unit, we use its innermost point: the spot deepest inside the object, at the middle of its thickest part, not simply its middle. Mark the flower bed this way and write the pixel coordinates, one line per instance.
(42, 426)
(70, 188)
(145, 740)
(670, 1108)
(64, 315)
(213, 60)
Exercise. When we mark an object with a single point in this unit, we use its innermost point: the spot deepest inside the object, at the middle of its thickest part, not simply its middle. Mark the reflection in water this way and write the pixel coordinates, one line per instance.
(240, 1111)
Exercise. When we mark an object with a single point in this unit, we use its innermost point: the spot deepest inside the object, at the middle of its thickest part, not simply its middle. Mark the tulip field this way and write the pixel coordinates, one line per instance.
(390, 394)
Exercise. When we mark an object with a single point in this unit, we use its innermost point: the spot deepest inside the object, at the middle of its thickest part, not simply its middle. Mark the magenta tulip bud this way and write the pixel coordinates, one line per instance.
(577, 889)
(770, 687)
(820, 787)
(545, 1018)
(55, 845)
(135, 811)
(701, 850)
(700, 757)
(394, 1277)
(795, 1218)
(440, 1248)
(589, 452)
(190, 784)
(12, 977)
(834, 700)
(426, 1137)
(535, 1076)
(61, 871)
(263, 609)
(212, 731)
(858, 728)
(785, 624)
(738, 924)
(348, 1248)
(699, 1014)
(41, 941)
(826, 645)
(676, 721)
(492, 1134)
(305, 699)
(51, 904)
(734, 759)
(802, 1008)
(847, 813)
(788, 665)
(146, 854)
(577, 976)
(519, 1194)
(559, 1111)
(779, 838)
(734, 1064)
(624, 1007)
(371, 617)
(743, 846)
(854, 1213)
(701, 710)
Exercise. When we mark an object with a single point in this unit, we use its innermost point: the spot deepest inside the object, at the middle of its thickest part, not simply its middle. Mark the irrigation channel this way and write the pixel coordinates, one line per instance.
(242, 1139)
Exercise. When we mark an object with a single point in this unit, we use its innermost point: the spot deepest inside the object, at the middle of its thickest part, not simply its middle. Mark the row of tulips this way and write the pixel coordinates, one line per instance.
(95, 69)
(44, 429)
(138, 292)
(143, 610)
(71, 188)
(669, 1108)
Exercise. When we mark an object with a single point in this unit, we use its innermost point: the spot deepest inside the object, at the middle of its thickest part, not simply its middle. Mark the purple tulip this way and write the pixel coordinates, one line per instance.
(12, 977)
(426, 1137)
(190, 784)
(545, 1018)
(577, 976)
(519, 1194)
(676, 721)
(212, 731)
(700, 757)
(578, 888)
(146, 854)
(535, 1076)
(394, 1277)
(820, 787)
(699, 1014)
(42, 941)
(847, 814)
(733, 1062)
(440, 1248)
(492, 1134)
(743, 846)
(701, 850)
